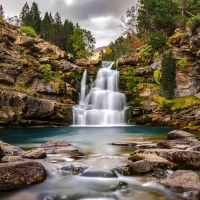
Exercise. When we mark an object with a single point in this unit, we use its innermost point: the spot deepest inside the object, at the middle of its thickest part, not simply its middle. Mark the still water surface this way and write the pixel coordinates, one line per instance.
(96, 155)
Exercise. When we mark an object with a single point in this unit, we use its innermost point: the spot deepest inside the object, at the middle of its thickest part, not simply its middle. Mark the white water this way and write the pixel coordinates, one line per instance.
(104, 105)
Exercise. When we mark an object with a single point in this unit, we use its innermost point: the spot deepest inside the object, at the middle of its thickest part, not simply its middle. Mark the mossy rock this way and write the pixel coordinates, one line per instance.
(136, 158)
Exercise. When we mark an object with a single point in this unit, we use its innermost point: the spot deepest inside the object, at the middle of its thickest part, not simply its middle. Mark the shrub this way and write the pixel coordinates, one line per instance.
(47, 76)
(157, 75)
(182, 63)
(193, 22)
(157, 41)
(28, 30)
(147, 52)
(168, 79)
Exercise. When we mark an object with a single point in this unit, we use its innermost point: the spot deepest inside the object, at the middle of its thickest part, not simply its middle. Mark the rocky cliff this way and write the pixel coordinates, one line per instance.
(148, 107)
(38, 81)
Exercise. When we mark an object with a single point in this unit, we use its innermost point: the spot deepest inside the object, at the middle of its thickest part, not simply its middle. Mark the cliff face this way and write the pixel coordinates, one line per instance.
(38, 81)
(148, 107)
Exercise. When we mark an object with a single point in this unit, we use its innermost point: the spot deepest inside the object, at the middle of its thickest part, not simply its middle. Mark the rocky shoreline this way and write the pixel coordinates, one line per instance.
(170, 162)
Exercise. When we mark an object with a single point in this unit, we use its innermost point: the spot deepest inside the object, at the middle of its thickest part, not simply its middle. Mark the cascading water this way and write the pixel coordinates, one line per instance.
(104, 105)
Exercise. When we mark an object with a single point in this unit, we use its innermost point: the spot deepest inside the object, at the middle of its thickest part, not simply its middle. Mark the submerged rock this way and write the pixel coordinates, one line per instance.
(38, 153)
(98, 173)
(20, 174)
(23, 195)
(55, 143)
(187, 180)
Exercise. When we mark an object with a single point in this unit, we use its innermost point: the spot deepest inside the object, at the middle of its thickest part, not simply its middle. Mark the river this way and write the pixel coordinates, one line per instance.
(97, 156)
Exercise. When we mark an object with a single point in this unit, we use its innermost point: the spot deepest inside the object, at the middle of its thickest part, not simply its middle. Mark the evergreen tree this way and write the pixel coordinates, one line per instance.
(35, 18)
(68, 28)
(157, 15)
(168, 78)
(47, 27)
(2, 12)
(58, 31)
(24, 15)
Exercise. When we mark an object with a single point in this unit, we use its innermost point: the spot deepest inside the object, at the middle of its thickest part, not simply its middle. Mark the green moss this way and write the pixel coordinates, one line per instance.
(177, 103)
(18, 48)
(136, 158)
(25, 88)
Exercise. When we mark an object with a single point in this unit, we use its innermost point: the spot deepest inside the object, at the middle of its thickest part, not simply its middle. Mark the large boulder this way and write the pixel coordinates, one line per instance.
(9, 149)
(187, 180)
(20, 174)
(186, 159)
(178, 134)
(38, 153)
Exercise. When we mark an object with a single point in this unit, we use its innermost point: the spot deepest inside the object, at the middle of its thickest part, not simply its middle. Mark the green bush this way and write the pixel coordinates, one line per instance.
(47, 76)
(157, 75)
(182, 63)
(157, 41)
(193, 22)
(28, 30)
(147, 52)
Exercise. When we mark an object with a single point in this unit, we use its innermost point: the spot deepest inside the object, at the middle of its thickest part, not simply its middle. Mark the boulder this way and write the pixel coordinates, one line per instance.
(139, 167)
(24, 40)
(20, 174)
(185, 179)
(38, 153)
(170, 144)
(157, 161)
(178, 134)
(7, 159)
(186, 159)
(9, 149)
(55, 143)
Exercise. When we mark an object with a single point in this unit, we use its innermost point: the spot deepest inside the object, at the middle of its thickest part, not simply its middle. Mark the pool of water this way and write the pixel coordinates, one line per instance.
(96, 155)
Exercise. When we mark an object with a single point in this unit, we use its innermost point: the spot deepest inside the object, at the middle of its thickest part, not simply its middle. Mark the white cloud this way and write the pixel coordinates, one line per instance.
(101, 17)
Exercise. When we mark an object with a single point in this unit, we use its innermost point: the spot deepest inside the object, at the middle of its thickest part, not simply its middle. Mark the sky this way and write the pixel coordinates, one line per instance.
(101, 17)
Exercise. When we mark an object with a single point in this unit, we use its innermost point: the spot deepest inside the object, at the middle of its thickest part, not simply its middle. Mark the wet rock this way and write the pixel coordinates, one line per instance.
(124, 143)
(6, 159)
(9, 149)
(22, 195)
(74, 170)
(98, 173)
(170, 144)
(178, 134)
(192, 194)
(186, 159)
(20, 174)
(69, 149)
(38, 153)
(185, 179)
(157, 161)
(55, 143)
(139, 167)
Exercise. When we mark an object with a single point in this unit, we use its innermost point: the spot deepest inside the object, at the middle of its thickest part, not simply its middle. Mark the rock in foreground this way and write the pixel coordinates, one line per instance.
(182, 179)
(178, 134)
(38, 153)
(20, 174)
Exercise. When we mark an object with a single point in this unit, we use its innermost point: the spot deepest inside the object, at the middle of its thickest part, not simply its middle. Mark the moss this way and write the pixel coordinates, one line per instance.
(26, 89)
(136, 158)
(177, 103)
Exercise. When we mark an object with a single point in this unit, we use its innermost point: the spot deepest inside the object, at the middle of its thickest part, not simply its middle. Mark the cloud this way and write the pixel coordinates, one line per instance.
(101, 17)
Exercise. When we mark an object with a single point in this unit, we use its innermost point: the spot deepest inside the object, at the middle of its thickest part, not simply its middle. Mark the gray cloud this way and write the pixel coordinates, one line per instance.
(101, 17)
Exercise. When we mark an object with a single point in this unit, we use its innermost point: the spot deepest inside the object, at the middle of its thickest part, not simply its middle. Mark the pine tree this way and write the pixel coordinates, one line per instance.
(2, 12)
(35, 18)
(168, 78)
(47, 27)
(58, 28)
(24, 16)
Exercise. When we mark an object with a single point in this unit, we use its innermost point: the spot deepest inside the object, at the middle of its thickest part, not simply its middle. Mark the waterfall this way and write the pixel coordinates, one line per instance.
(104, 104)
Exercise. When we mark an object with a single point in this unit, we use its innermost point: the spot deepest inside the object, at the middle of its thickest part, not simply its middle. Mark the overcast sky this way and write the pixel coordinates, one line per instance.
(101, 17)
